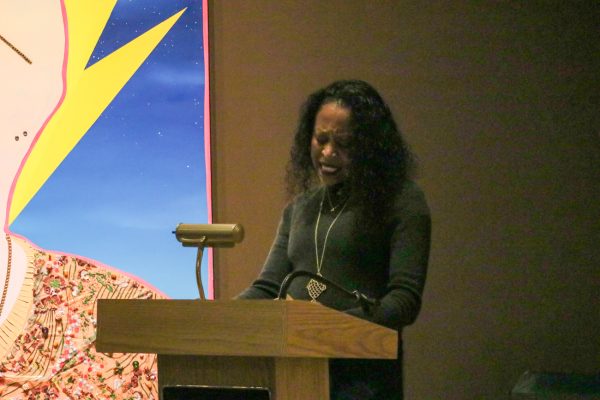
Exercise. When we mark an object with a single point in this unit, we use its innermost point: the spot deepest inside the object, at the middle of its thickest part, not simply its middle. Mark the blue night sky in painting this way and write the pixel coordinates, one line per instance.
(140, 169)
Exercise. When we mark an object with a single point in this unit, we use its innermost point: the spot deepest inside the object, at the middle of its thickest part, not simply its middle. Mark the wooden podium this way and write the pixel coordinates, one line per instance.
(282, 346)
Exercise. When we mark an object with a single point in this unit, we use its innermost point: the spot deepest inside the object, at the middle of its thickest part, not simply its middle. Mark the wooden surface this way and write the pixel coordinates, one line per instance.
(301, 379)
(263, 328)
(286, 378)
(213, 371)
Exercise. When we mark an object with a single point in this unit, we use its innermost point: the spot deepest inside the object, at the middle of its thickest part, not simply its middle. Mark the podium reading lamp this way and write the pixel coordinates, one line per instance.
(207, 235)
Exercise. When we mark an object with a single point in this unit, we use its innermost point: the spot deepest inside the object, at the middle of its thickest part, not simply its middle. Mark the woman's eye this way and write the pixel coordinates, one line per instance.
(322, 139)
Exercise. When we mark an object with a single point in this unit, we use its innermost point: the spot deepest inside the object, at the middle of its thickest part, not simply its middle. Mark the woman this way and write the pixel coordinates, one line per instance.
(357, 220)
(47, 300)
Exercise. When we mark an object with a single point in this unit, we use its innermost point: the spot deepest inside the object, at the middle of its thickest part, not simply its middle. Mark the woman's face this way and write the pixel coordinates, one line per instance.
(329, 147)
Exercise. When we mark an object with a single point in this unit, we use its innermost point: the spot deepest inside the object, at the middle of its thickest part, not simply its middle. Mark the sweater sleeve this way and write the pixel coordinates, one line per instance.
(409, 254)
(277, 265)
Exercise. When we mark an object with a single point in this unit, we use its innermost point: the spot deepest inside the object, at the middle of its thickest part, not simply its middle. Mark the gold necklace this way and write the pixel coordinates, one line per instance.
(315, 288)
(19, 52)
(8, 268)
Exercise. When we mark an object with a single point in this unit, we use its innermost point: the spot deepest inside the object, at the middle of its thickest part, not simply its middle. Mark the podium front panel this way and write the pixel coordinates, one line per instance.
(285, 378)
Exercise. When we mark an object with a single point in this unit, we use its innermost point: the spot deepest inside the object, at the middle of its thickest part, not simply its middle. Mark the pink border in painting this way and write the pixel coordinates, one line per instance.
(207, 143)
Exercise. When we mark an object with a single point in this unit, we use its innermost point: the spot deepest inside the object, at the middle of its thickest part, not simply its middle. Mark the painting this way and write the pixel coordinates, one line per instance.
(104, 151)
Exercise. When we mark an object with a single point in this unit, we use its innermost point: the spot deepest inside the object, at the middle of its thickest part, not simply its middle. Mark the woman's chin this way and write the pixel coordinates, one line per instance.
(331, 179)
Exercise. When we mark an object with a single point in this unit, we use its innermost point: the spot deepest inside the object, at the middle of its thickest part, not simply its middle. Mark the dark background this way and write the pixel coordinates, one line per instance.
(500, 101)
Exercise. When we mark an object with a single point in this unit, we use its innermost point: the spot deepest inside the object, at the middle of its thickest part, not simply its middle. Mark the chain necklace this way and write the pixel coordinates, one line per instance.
(315, 288)
(8, 268)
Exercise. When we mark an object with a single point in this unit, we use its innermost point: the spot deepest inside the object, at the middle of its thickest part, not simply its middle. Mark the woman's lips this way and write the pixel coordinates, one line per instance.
(329, 169)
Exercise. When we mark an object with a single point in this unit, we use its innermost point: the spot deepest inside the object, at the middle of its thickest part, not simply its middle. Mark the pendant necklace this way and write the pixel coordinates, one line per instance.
(315, 288)
(331, 206)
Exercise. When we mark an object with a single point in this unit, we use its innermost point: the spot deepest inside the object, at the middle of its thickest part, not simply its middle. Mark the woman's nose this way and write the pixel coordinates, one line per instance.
(329, 149)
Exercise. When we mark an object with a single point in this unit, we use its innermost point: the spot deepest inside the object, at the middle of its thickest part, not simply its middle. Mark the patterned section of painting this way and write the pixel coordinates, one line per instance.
(53, 355)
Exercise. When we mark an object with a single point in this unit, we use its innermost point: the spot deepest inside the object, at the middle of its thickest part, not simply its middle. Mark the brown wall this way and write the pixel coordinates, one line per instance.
(500, 102)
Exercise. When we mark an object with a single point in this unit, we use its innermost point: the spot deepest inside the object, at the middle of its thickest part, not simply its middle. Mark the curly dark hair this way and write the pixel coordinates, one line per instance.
(381, 160)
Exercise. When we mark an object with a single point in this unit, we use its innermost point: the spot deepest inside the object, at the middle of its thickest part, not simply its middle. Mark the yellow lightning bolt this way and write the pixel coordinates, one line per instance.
(88, 91)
